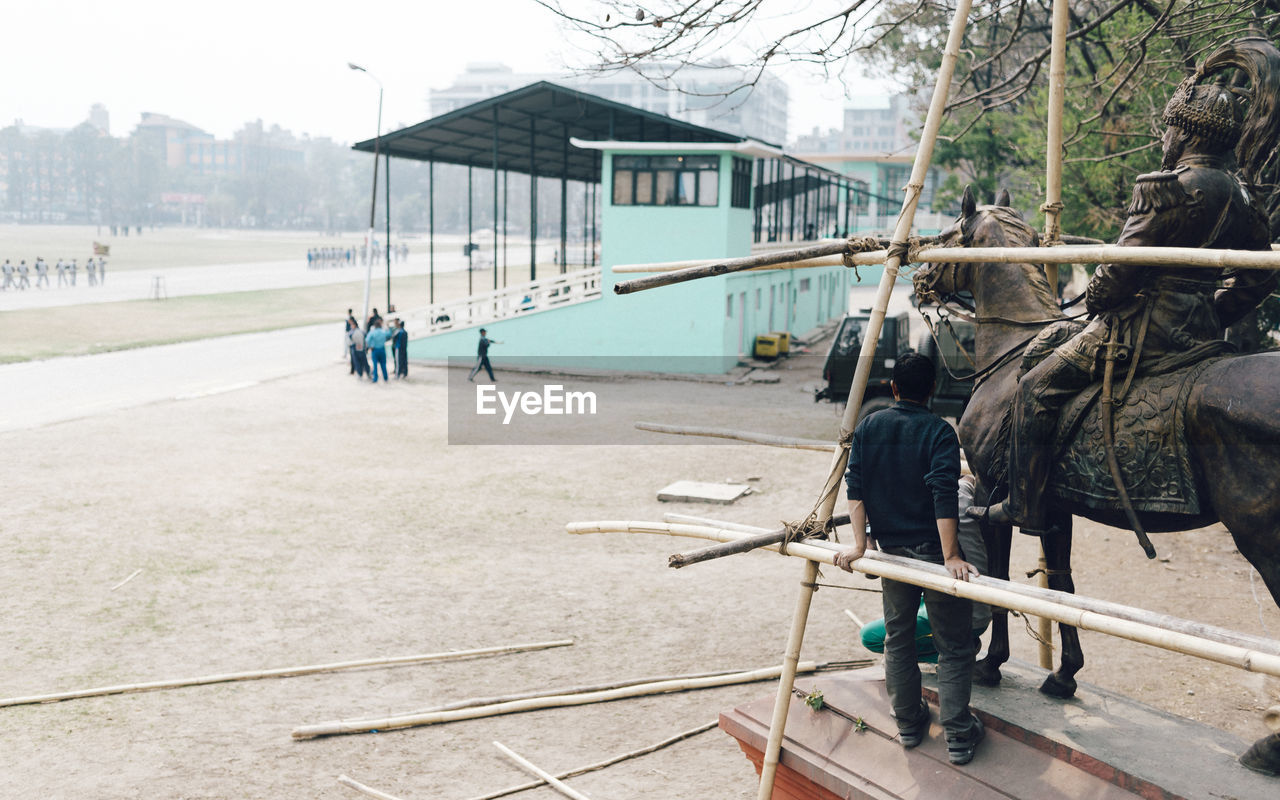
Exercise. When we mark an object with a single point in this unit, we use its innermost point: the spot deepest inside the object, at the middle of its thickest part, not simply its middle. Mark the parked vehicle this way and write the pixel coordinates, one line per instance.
(949, 398)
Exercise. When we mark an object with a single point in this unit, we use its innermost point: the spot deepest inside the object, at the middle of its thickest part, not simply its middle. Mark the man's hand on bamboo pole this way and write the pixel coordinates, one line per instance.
(861, 541)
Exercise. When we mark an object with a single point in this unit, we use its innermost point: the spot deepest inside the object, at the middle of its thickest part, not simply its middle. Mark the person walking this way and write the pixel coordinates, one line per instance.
(24, 273)
(903, 479)
(61, 269)
(42, 273)
(400, 346)
(90, 270)
(376, 343)
(71, 270)
(482, 357)
(102, 271)
(8, 275)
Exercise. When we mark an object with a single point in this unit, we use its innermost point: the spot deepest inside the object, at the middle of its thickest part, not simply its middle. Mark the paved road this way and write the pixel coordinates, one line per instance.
(36, 393)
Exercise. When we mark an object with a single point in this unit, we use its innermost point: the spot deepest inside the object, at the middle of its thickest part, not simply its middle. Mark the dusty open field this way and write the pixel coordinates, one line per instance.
(316, 519)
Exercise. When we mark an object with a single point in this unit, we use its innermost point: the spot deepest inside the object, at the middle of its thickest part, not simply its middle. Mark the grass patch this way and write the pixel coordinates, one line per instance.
(102, 327)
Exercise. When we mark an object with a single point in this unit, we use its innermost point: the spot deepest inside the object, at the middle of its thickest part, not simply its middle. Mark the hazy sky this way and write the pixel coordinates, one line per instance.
(218, 64)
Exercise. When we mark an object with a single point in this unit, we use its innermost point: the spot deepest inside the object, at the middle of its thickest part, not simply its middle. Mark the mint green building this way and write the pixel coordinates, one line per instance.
(667, 191)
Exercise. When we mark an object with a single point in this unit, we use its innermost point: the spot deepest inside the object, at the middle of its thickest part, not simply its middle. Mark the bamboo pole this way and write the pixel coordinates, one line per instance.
(856, 620)
(367, 790)
(1190, 257)
(587, 698)
(599, 687)
(752, 542)
(551, 780)
(741, 436)
(871, 333)
(286, 672)
(679, 737)
(727, 266)
(1208, 642)
(714, 523)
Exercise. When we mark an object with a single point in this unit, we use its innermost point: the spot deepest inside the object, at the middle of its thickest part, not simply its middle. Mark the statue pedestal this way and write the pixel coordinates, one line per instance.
(1096, 746)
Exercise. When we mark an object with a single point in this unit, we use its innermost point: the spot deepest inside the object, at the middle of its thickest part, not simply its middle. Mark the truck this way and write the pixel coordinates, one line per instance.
(950, 396)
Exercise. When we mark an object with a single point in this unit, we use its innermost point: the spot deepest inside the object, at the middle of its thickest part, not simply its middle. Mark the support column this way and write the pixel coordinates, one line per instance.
(386, 181)
(564, 201)
(431, 232)
(533, 200)
(470, 249)
(495, 198)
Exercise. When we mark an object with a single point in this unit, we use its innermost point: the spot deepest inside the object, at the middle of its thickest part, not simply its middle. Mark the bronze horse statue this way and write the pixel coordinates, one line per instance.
(1231, 424)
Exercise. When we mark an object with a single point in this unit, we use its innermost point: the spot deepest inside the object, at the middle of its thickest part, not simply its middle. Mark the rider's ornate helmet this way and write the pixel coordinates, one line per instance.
(1210, 112)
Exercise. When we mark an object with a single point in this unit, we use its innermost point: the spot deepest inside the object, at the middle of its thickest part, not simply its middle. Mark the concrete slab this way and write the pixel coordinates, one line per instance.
(1101, 746)
(1111, 734)
(697, 492)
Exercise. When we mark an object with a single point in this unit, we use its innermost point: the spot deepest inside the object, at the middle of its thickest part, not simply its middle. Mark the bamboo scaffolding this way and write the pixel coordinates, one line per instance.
(286, 672)
(871, 333)
(1250, 653)
(551, 780)
(1067, 253)
(397, 722)
(367, 790)
(741, 436)
(679, 737)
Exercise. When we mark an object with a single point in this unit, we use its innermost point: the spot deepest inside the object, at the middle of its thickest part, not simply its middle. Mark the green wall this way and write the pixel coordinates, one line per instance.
(687, 327)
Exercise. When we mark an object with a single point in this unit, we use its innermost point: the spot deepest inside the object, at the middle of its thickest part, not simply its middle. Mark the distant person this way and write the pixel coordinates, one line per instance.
(376, 343)
(8, 275)
(102, 270)
(482, 357)
(42, 273)
(400, 346)
(374, 317)
(71, 271)
(90, 271)
(61, 269)
(24, 273)
(351, 324)
(356, 337)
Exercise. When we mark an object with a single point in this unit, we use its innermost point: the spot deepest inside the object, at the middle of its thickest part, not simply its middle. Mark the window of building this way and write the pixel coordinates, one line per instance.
(740, 192)
(728, 306)
(666, 180)
(759, 295)
(804, 285)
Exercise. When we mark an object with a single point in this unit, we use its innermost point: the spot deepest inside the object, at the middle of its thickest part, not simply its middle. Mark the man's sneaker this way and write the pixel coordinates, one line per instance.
(914, 735)
(960, 751)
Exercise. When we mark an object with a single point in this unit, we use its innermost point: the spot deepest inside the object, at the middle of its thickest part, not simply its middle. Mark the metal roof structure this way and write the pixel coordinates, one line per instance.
(528, 130)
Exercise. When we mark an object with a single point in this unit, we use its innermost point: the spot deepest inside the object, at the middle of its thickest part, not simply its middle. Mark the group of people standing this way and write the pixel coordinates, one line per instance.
(330, 257)
(18, 277)
(367, 346)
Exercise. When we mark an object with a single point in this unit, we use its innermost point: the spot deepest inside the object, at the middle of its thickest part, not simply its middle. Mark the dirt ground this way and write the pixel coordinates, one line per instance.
(316, 519)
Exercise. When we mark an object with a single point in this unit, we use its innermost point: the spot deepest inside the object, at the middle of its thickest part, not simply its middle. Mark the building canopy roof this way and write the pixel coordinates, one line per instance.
(528, 131)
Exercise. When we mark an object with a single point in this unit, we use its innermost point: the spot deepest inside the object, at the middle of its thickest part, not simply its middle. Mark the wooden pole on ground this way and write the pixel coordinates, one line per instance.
(367, 790)
(551, 780)
(1209, 642)
(286, 672)
(533, 704)
(680, 737)
(871, 334)
(741, 436)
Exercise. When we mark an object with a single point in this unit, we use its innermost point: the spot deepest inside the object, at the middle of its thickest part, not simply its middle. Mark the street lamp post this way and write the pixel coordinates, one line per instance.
(373, 202)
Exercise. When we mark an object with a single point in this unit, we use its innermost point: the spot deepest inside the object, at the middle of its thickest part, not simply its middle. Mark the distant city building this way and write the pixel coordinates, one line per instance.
(711, 95)
(876, 148)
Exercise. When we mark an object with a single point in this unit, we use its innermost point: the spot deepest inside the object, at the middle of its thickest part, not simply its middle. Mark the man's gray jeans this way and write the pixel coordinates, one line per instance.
(950, 618)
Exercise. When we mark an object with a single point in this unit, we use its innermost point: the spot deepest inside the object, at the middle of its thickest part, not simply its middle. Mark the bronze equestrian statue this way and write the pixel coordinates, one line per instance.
(1191, 433)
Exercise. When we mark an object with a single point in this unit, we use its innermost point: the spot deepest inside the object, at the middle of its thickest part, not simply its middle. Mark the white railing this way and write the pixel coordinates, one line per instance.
(479, 309)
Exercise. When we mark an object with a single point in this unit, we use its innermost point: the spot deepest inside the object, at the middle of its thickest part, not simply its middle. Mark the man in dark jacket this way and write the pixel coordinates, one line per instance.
(400, 348)
(902, 480)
